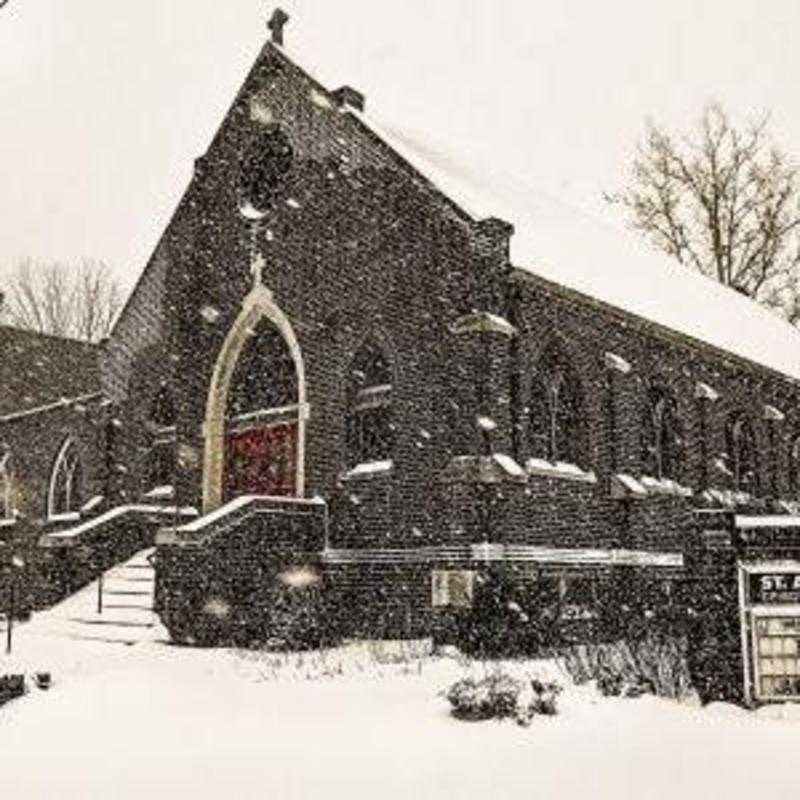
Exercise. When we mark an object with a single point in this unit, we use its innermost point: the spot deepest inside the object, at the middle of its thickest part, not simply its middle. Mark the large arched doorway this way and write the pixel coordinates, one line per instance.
(255, 416)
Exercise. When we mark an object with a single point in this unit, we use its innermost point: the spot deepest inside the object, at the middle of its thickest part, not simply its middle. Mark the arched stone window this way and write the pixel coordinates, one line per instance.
(159, 468)
(66, 481)
(741, 451)
(555, 431)
(369, 430)
(6, 486)
(262, 417)
(662, 441)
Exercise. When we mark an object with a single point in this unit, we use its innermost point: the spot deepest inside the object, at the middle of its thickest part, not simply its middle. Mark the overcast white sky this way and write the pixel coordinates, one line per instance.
(105, 105)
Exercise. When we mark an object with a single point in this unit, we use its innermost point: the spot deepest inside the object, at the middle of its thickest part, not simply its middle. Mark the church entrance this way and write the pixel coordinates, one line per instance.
(262, 416)
(261, 460)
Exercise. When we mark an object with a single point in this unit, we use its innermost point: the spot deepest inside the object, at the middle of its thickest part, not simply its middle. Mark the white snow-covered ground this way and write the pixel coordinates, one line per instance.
(154, 720)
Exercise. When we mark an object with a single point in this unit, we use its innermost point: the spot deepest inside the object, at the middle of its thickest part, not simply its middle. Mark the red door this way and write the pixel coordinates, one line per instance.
(261, 461)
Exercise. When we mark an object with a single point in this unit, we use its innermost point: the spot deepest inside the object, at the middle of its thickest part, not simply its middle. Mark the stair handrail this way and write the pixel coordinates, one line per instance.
(69, 537)
(199, 530)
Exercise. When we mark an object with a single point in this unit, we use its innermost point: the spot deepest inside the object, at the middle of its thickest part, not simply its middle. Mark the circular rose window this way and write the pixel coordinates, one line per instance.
(261, 170)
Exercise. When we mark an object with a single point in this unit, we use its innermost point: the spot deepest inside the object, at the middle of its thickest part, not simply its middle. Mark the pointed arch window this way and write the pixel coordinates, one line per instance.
(265, 377)
(159, 468)
(262, 420)
(369, 430)
(741, 452)
(6, 487)
(555, 431)
(662, 440)
(66, 482)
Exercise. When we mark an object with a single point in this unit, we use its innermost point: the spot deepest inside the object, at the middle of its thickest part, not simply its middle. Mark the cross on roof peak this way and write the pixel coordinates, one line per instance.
(276, 24)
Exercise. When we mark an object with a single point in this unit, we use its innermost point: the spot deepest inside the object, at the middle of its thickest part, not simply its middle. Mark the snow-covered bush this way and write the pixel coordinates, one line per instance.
(544, 697)
(495, 696)
(500, 696)
(468, 701)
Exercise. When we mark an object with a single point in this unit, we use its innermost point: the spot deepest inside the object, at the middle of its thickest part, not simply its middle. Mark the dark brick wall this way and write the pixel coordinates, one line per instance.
(35, 442)
(357, 244)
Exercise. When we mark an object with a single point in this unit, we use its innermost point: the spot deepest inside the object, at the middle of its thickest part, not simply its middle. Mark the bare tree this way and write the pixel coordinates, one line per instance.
(77, 301)
(723, 201)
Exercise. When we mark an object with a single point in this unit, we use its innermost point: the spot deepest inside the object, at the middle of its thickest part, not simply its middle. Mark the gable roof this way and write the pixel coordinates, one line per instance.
(569, 247)
(574, 249)
(37, 369)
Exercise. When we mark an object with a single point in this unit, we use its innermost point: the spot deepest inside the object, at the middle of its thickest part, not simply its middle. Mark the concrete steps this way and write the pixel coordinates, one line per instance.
(126, 617)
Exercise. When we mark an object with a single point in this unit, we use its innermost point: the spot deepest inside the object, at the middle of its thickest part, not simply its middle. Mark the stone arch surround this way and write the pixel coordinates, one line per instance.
(258, 304)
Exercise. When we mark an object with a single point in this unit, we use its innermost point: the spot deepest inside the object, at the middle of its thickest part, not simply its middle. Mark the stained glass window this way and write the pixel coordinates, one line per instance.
(742, 454)
(263, 418)
(369, 429)
(661, 435)
(265, 376)
(66, 485)
(159, 466)
(555, 429)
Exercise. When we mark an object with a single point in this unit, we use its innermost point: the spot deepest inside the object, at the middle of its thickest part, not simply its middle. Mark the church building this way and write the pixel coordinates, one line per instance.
(352, 364)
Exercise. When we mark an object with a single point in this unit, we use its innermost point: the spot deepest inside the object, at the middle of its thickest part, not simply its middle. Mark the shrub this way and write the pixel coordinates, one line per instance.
(500, 696)
(470, 699)
(509, 617)
(544, 697)
(11, 686)
(504, 694)
(652, 665)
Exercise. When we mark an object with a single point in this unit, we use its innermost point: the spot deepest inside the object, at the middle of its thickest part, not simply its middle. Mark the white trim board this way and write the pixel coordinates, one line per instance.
(482, 553)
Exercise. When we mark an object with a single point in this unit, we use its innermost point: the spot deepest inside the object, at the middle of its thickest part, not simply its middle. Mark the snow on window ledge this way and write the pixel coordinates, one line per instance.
(7, 522)
(559, 469)
(664, 486)
(369, 468)
(726, 498)
(66, 516)
(165, 492)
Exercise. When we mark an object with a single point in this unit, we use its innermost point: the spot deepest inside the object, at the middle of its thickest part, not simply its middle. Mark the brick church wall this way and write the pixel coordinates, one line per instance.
(356, 244)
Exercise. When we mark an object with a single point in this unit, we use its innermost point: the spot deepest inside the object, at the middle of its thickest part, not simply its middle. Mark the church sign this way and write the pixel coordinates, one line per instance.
(769, 594)
(775, 588)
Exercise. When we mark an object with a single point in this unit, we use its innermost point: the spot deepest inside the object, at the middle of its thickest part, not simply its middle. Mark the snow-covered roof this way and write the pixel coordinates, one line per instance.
(580, 252)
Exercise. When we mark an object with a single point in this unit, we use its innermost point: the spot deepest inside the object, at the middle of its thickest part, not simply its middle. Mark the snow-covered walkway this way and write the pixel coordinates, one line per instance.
(156, 720)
